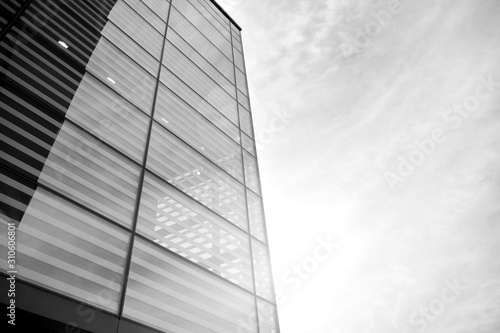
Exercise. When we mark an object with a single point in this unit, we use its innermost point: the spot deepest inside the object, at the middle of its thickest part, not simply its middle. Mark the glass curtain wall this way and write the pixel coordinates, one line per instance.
(129, 164)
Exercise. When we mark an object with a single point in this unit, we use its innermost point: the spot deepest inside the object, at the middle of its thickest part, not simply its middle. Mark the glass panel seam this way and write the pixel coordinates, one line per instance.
(134, 41)
(128, 261)
(82, 206)
(208, 75)
(246, 210)
(151, 9)
(189, 262)
(200, 55)
(142, 17)
(224, 24)
(102, 142)
(209, 20)
(191, 198)
(197, 151)
(117, 92)
(187, 85)
(52, 292)
(201, 32)
(208, 120)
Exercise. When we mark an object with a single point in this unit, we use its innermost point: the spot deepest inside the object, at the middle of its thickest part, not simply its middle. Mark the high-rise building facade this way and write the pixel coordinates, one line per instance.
(130, 191)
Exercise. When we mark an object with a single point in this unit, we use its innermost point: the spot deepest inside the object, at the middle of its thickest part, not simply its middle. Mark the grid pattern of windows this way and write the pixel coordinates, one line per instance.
(128, 162)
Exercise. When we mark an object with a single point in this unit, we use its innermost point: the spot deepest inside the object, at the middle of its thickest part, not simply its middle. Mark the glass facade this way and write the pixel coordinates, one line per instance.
(129, 169)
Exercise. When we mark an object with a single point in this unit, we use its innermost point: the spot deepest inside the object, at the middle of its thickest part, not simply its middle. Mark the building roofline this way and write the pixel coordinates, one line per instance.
(226, 14)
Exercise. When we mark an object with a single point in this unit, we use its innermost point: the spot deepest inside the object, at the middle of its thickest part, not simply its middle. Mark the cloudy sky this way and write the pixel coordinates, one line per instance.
(378, 126)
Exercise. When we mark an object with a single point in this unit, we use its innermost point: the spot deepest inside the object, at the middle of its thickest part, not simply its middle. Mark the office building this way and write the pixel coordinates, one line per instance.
(129, 172)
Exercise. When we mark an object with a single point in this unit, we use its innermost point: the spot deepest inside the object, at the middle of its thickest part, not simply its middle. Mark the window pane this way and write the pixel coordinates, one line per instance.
(248, 143)
(130, 47)
(236, 32)
(108, 116)
(243, 100)
(251, 174)
(222, 18)
(262, 272)
(182, 120)
(201, 44)
(202, 106)
(267, 317)
(201, 62)
(245, 121)
(159, 7)
(241, 82)
(168, 293)
(238, 60)
(197, 80)
(180, 224)
(237, 44)
(123, 75)
(212, 17)
(68, 250)
(256, 216)
(137, 28)
(146, 13)
(203, 25)
(88, 172)
(197, 176)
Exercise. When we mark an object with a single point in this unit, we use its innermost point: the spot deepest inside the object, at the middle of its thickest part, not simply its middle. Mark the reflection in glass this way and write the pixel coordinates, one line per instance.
(168, 293)
(179, 223)
(262, 271)
(195, 175)
(256, 216)
(181, 119)
(251, 175)
(69, 250)
(267, 317)
(88, 172)
(108, 116)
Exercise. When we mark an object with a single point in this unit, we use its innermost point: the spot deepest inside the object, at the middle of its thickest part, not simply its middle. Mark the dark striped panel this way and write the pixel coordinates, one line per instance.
(42, 61)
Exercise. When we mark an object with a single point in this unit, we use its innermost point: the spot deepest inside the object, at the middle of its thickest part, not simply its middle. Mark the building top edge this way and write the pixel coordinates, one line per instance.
(226, 14)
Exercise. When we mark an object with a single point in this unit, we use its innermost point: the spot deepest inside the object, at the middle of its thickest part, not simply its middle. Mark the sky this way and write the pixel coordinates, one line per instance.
(378, 132)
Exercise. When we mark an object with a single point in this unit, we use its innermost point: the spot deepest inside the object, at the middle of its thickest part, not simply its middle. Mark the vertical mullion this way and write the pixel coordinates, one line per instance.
(141, 178)
(245, 191)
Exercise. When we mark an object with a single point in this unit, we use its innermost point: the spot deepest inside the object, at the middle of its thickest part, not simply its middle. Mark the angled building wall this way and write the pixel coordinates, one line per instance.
(129, 169)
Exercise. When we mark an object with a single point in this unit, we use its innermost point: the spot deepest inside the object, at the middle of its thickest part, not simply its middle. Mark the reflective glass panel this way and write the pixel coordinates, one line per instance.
(245, 121)
(85, 170)
(130, 47)
(147, 14)
(251, 173)
(110, 117)
(179, 65)
(201, 105)
(248, 143)
(122, 74)
(180, 224)
(69, 250)
(173, 295)
(256, 216)
(262, 271)
(182, 120)
(194, 174)
(267, 317)
(137, 28)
